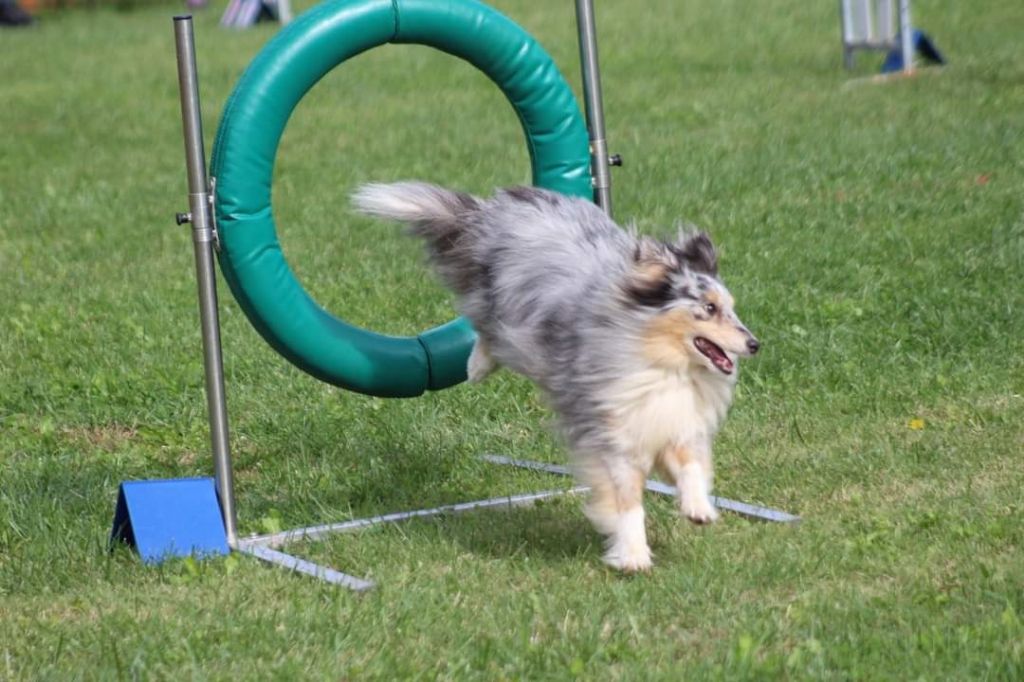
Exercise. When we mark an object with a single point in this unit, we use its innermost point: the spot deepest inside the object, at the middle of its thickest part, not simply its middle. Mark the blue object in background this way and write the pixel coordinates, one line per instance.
(923, 46)
(170, 518)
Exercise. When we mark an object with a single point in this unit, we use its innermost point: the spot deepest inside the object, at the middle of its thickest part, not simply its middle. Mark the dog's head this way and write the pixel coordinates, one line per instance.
(687, 313)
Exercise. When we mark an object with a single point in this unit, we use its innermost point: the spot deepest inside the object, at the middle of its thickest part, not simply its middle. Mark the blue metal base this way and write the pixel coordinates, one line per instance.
(923, 46)
(169, 518)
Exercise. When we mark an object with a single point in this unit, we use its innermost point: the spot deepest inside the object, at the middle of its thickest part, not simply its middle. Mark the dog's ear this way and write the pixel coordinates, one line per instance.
(697, 251)
(650, 251)
(649, 283)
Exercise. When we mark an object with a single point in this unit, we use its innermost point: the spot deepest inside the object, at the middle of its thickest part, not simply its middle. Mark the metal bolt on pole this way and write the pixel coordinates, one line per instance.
(594, 107)
(201, 217)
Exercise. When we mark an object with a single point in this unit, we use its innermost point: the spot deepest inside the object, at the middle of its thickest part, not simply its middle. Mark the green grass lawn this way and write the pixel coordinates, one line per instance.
(873, 235)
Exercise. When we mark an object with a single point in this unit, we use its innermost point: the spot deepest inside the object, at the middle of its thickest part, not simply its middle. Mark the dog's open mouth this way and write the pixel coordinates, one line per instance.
(715, 354)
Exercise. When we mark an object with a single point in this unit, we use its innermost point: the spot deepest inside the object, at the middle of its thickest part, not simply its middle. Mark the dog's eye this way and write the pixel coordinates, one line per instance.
(710, 308)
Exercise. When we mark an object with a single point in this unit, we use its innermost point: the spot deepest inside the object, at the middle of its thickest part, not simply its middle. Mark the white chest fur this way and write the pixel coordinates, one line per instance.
(654, 408)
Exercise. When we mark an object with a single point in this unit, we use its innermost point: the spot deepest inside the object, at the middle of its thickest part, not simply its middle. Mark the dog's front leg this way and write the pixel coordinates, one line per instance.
(480, 364)
(690, 467)
(616, 509)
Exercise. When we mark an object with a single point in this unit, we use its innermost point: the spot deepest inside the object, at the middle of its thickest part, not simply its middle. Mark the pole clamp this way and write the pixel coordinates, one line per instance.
(213, 213)
(209, 233)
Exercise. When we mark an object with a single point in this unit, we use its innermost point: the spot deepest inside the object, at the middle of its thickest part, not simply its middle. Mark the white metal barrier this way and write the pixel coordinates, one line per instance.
(876, 25)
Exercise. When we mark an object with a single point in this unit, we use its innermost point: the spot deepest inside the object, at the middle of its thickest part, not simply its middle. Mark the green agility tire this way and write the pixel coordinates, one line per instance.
(246, 144)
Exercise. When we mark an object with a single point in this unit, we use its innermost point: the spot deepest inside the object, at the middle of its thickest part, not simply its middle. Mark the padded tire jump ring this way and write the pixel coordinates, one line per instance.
(246, 145)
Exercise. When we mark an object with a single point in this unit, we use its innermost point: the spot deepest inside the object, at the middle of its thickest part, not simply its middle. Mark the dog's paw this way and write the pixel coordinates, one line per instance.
(632, 558)
(699, 511)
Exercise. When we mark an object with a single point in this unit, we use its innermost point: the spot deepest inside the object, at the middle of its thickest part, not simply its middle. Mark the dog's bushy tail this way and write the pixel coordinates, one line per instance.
(439, 216)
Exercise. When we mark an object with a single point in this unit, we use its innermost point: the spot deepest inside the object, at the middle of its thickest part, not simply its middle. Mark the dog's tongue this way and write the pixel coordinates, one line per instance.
(721, 361)
(717, 356)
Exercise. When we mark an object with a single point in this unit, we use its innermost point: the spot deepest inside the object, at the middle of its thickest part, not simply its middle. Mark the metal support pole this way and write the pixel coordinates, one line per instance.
(751, 511)
(849, 35)
(886, 25)
(201, 217)
(906, 37)
(594, 108)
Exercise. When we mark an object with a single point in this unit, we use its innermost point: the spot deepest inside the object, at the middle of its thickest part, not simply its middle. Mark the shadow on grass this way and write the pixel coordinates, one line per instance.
(545, 535)
(551, 530)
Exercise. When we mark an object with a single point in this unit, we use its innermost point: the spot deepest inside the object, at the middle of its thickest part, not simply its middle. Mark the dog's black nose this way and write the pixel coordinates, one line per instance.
(753, 346)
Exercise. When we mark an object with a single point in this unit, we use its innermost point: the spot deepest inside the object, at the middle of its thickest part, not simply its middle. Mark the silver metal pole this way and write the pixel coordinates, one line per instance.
(886, 25)
(849, 36)
(906, 37)
(742, 508)
(594, 109)
(201, 217)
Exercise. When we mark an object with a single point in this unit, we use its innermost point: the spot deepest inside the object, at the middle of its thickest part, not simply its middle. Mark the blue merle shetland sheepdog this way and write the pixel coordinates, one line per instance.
(634, 340)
